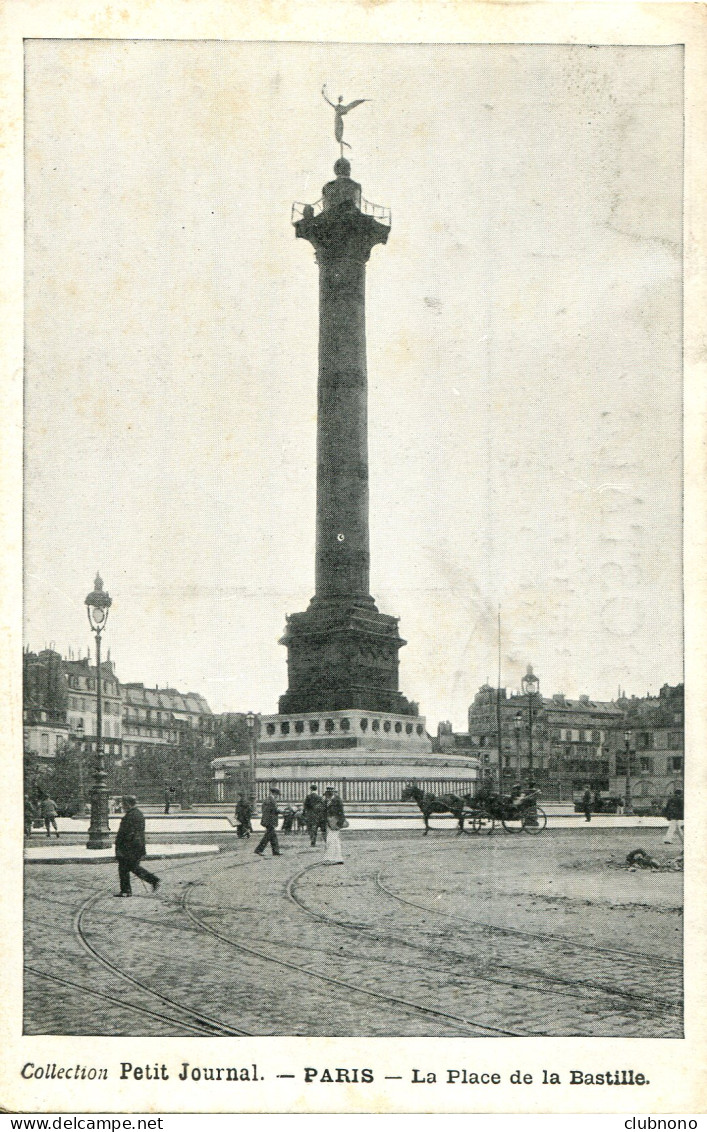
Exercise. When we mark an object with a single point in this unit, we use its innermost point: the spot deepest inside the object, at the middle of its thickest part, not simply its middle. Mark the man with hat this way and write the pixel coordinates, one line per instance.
(269, 819)
(314, 814)
(130, 848)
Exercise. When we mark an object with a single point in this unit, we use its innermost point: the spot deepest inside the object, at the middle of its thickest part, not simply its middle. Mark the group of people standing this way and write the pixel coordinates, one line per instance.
(322, 815)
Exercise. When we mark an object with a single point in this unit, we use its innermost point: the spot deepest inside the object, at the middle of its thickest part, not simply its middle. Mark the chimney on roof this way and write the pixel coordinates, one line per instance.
(584, 699)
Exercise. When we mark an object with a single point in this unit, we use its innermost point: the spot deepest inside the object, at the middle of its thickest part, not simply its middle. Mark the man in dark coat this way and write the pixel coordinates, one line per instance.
(314, 814)
(244, 813)
(130, 848)
(587, 804)
(268, 819)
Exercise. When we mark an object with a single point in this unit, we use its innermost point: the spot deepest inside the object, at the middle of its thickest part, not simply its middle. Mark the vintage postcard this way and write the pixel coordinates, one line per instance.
(354, 508)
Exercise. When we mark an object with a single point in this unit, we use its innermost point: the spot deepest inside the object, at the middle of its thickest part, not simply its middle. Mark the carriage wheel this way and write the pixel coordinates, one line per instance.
(534, 822)
(512, 824)
(481, 822)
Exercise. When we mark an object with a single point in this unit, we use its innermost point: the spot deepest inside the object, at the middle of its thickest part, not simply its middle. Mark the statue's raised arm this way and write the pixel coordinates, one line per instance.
(339, 111)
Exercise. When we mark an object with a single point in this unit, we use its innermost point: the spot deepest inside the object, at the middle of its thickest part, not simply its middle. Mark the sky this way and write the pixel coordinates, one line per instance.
(524, 358)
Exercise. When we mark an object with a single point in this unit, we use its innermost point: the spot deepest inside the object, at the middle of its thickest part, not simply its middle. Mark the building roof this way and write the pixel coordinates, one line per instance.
(165, 699)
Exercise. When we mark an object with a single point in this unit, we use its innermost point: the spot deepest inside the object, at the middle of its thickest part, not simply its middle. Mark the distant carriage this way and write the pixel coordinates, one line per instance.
(481, 813)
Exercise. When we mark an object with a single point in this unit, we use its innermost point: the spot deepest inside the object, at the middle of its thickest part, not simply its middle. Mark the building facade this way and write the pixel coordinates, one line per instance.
(44, 706)
(570, 740)
(168, 742)
(583, 742)
(649, 748)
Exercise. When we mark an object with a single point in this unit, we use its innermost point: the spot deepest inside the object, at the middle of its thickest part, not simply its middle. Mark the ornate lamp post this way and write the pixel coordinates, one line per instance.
(531, 687)
(628, 806)
(98, 604)
(253, 740)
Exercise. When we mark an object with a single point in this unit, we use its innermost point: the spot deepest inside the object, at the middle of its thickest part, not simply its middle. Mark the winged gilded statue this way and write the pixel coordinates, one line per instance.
(339, 111)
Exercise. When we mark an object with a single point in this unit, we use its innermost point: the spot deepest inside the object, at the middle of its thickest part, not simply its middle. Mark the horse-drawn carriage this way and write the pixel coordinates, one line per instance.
(479, 814)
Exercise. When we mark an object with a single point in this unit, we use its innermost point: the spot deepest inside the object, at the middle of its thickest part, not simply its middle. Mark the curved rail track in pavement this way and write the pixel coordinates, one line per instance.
(588, 991)
(195, 1019)
(392, 1000)
(122, 1003)
(657, 960)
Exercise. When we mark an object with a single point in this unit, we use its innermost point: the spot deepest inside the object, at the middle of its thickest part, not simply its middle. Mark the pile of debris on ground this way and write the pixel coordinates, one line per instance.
(634, 861)
(640, 859)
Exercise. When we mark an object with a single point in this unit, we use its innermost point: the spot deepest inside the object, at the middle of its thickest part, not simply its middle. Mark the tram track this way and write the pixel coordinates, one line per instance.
(496, 929)
(518, 975)
(419, 1008)
(207, 1025)
(124, 1004)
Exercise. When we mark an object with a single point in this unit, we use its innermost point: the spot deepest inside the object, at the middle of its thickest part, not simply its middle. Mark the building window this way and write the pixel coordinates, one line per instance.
(646, 765)
(408, 728)
(345, 724)
(329, 725)
(299, 726)
(314, 726)
(363, 724)
(676, 764)
(270, 728)
(588, 736)
(375, 725)
(45, 743)
(386, 725)
(575, 736)
(284, 729)
(419, 729)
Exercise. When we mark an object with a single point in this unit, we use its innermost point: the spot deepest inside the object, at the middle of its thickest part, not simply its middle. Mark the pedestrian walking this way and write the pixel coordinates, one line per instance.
(244, 812)
(335, 820)
(130, 848)
(619, 806)
(587, 804)
(29, 815)
(49, 812)
(167, 799)
(313, 810)
(269, 819)
(288, 817)
(674, 811)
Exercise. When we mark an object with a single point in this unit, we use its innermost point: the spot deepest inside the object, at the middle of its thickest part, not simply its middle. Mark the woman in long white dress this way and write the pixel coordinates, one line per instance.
(335, 819)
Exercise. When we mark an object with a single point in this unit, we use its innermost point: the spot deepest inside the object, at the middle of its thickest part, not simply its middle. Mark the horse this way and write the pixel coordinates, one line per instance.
(431, 804)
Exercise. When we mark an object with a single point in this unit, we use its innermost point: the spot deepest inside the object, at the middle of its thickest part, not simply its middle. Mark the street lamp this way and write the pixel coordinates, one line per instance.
(531, 687)
(628, 807)
(98, 604)
(79, 750)
(518, 723)
(253, 739)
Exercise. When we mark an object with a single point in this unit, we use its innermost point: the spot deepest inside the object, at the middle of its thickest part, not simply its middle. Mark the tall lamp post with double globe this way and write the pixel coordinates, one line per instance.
(628, 804)
(98, 604)
(531, 688)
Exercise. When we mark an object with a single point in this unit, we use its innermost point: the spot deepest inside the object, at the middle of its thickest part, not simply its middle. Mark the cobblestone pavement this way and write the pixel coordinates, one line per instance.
(439, 936)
